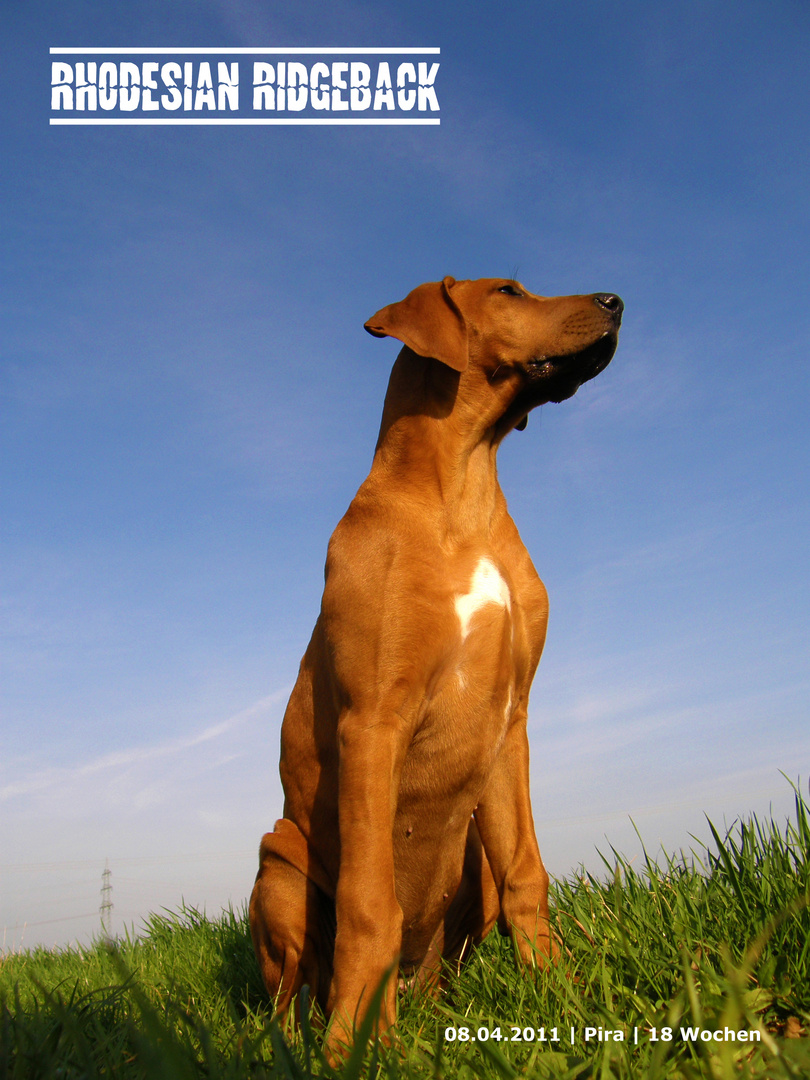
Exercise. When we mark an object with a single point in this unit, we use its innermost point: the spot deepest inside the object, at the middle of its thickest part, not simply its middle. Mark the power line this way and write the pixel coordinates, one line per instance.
(136, 860)
(47, 922)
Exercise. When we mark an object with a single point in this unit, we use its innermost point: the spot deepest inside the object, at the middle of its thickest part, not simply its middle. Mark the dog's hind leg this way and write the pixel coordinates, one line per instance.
(291, 919)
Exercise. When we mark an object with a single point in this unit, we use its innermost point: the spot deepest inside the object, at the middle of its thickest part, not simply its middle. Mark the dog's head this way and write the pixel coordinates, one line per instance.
(531, 349)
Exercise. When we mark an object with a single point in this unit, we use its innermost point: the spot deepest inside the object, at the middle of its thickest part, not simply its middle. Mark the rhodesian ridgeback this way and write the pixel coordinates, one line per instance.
(407, 829)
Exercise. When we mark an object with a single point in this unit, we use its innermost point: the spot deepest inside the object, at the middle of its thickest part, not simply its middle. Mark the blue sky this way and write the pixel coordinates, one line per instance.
(189, 402)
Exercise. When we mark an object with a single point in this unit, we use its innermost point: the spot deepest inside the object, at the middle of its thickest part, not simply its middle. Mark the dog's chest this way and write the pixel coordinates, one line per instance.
(469, 711)
(487, 587)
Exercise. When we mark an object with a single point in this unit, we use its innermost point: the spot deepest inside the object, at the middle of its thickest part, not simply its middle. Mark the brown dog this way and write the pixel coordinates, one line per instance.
(407, 827)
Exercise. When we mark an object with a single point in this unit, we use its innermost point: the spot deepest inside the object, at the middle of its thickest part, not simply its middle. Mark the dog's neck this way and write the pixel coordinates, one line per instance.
(436, 442)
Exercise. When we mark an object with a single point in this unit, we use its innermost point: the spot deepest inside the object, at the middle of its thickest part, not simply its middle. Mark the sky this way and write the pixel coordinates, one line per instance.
(188, 402)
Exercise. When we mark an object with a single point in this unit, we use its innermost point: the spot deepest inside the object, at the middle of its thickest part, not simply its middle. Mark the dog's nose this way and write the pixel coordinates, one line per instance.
(610, 302)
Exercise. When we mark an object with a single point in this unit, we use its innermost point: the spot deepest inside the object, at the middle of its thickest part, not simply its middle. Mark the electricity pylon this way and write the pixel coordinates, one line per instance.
(105, 909)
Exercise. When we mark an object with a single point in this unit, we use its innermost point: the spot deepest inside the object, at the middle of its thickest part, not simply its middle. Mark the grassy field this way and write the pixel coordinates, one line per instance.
(696, 966)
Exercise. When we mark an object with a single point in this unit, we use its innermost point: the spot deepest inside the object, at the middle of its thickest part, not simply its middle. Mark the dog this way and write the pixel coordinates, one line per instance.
(407, 831)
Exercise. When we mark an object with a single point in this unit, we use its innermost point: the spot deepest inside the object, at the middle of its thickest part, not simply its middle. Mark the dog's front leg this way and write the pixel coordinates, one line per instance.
(369, 918)
(506, 826)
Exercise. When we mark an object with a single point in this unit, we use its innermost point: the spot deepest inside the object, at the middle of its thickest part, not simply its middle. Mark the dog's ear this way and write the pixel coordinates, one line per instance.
(427, 321)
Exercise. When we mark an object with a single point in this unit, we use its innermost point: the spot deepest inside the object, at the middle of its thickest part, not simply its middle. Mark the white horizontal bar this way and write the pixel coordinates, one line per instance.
(305, 120)
(291, 50)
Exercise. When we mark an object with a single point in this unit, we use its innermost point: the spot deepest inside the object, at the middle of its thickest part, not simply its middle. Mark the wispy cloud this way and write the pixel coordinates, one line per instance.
(138, 763)
(178, 820)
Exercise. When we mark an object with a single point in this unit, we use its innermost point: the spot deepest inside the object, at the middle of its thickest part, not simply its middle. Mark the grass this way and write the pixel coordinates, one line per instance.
(717, 942)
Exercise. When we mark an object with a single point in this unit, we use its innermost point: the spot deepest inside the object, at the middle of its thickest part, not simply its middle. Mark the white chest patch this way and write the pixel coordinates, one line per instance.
(487, 587)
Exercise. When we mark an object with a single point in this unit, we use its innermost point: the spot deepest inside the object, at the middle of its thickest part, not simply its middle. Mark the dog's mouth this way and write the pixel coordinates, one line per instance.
(559, 377)
(556, 378)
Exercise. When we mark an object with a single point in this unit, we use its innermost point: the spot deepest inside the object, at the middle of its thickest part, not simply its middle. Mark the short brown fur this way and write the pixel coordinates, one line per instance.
(407, 828)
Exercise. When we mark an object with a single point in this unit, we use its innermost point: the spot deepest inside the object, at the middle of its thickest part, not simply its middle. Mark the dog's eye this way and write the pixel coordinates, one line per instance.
(510, 290)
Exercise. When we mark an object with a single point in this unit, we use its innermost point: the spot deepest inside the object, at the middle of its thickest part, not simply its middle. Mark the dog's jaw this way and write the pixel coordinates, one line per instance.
(544, 379)
(559, 377)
